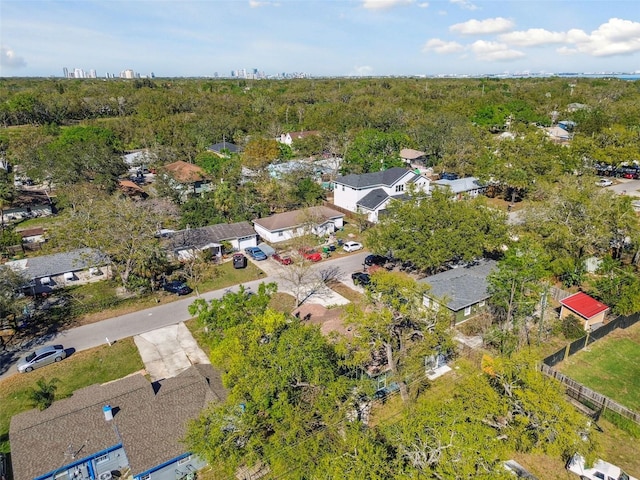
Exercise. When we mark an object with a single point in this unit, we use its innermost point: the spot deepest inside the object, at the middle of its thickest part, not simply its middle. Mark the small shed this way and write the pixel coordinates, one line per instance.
(586, 308)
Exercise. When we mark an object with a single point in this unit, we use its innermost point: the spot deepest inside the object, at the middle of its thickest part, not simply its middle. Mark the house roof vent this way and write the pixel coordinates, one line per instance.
(108, 413)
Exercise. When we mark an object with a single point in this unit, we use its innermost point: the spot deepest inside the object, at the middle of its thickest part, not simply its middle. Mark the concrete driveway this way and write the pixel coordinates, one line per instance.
(168, 351)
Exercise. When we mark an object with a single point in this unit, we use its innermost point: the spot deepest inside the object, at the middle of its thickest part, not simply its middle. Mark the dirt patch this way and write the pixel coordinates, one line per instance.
(329, 319)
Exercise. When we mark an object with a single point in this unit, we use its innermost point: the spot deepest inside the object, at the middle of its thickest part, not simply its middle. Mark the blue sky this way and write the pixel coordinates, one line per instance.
(329, 37)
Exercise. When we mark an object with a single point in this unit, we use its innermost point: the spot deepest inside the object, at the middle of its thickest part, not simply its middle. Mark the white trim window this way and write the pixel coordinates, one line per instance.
(481, 304)
(467, 311)
(400, 188)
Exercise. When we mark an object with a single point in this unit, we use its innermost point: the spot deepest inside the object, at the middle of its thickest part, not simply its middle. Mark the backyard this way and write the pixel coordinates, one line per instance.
(610, 366)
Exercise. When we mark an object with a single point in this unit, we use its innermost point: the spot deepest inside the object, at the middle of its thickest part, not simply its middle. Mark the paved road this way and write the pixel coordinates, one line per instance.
(116, 328)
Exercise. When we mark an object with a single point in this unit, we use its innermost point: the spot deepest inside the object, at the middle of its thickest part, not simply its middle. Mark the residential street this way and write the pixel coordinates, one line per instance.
(116, 328)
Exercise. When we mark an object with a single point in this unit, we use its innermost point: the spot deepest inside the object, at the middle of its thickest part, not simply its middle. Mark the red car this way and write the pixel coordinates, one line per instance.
(310, 254)
(284, 260)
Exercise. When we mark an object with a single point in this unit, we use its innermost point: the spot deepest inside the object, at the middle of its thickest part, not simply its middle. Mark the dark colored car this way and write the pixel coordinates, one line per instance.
(283, 259)
(179, 288)
(255, 253)
(361, 278)
(448, 176)
(373, 259)
(41, 357)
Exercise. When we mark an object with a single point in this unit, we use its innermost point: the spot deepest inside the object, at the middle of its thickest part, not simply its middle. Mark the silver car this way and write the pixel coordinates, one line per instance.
(41, 357)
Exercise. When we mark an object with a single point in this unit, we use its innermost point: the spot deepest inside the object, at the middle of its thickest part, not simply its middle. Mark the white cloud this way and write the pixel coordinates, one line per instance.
(616, 37)
(440, 46)
(361, 71)
(465, 4)
(533, 37)
(383, 4)
(483, 27)
(423, 4)
(494, 51)
(258, 4)
(9, 59)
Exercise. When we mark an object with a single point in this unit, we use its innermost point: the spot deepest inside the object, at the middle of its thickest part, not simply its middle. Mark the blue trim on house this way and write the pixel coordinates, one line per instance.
(158, 467)
(80, 462)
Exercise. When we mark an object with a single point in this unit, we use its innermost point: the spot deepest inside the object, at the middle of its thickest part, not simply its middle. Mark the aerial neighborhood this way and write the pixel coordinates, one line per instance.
(393, 282)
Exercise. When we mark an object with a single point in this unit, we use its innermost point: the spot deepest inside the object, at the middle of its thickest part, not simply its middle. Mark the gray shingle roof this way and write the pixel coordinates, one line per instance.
(218, 147)
(461, 185)
(462, 286)
(373, 179)
(150, 421)
(294, 218)
(199, 237)
(373, 199)
(59, 263)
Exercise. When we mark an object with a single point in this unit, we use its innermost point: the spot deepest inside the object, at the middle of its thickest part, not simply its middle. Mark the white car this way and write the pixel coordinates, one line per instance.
(601, 470)
(604, 182)
(352, 246)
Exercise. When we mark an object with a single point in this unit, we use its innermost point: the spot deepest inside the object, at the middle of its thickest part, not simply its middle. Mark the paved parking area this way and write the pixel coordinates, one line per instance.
(168, 351)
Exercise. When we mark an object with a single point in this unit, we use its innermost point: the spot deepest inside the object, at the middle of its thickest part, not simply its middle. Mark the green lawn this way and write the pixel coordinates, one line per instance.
(610, 366)
(98, 365)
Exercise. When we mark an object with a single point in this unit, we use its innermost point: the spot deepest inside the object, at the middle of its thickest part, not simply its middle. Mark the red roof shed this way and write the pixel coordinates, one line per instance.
(588, 308)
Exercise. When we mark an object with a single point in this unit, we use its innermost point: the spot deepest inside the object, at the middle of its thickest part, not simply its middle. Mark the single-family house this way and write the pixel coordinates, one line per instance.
(280, 227)
(463, 290)
(187, 177)
(370, 193)
(414, 158)
(290, 137)
(138, 158)
(586, 308)
(224, 148)
(129, 428)
(183, 243)
(47, 272)
(131, 189)
(558, 134)
(462, 187)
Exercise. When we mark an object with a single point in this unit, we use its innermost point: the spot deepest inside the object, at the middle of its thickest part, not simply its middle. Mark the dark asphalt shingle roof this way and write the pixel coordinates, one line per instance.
(199, 237)
(377, 197)
(149, 420)
(59, 263)
(386, 178)
(218, 147)
(462, 286)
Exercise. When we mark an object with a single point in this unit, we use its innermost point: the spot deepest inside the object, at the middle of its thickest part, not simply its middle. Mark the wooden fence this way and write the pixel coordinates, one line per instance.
(583, 394)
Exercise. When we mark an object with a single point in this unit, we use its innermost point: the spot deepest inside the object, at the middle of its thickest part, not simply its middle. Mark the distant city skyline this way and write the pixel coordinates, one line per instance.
(318, 38)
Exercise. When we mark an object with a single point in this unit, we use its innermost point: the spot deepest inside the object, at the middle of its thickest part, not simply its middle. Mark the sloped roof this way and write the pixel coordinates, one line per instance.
(129, 185)
(295, 218)
(373, 199)
(461, 287)
(59, 263)
(385, 178)
(411, 154)
(199, 237)
(185, 172)
(461, 185)
(149, 421)
(584, 305)
(219, 147)
(30, 232)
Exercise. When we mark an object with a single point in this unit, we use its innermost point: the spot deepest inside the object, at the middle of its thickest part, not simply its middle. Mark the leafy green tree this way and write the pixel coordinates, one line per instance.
(395, 326)
(7, 194)
(372, 151)
(12, 301)
(618, 286)
(516, 287)
(260, 152)
(431, 231)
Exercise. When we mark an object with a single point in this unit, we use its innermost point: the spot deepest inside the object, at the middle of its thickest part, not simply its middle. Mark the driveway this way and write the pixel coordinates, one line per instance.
(626, 186)
(168, 351)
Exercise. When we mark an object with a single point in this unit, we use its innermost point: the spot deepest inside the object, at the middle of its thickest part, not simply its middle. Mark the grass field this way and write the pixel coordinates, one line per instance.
(98, 365)
(610, 366)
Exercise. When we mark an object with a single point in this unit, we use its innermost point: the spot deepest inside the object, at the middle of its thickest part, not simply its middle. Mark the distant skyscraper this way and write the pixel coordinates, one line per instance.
(92, 73)
(65, 72)
(78, 73)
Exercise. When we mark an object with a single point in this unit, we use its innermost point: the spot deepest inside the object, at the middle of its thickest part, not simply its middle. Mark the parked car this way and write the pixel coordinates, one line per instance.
(448, 176)
(283, 259)
(255, 253)
(352, 246)
(310, 254)
(41, 357)
(600, 470)
(375, 260)
(604, 182)
(177, 287)
(361, 278)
